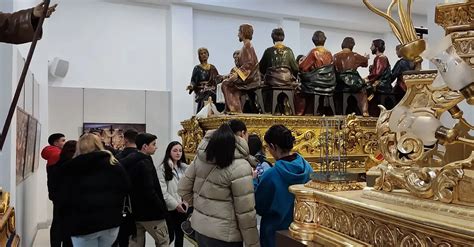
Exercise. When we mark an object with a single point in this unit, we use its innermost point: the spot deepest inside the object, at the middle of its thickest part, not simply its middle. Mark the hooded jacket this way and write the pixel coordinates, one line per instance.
(274, 202)
(146, 195)
(125, 152)
(91, 193)
(224, 204)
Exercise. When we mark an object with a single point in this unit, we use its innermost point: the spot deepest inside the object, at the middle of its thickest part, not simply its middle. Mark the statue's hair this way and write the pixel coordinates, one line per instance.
(278, 34)
(247, 31)
(348, 43)
(202, 49)
(379, 45)
(319, 38)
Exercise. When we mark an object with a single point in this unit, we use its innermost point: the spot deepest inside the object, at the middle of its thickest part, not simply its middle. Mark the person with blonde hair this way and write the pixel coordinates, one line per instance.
(91, 194)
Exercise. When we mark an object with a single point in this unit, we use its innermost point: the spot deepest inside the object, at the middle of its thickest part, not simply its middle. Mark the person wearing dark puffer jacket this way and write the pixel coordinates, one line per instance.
(91, 194)
(148, 205)
(57, 235)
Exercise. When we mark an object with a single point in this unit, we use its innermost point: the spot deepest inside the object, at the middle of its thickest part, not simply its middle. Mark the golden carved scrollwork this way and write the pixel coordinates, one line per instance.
(409, 164)
(383, 236)
(4, 201)
(362, 229)
(464, 44)
(358, 134)
(402, 148)
(7, 222)
(437, 183)
(336, 186)
(455, 17)
(191, 135)
(337, 213)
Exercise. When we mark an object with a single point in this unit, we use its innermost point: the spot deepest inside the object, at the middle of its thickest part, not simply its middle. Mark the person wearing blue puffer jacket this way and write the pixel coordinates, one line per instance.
(273, 200)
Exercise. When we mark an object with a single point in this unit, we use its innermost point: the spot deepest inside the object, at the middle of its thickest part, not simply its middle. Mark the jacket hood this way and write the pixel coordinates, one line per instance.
(128, 150)
(241, 148)
(134, 158)
(48, 151)
(89, 162)
(294, 171)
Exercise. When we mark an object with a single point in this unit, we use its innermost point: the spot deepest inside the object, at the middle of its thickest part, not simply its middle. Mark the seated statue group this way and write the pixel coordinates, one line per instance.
(316, 84)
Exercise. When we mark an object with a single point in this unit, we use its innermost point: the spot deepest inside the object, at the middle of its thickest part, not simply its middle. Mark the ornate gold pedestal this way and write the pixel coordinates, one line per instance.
(7, 222)
(356, 219)
(360, 138)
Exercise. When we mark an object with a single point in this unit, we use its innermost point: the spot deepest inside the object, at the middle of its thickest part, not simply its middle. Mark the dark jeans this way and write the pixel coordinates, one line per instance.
(173, 222)
(127, 229)
(57, 234)
(122, 238)
(204, 241)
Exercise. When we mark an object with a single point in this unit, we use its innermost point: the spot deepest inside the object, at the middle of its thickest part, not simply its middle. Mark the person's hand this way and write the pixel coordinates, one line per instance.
(38, 10)
(254, 173)
(180, 209)
(367, 56)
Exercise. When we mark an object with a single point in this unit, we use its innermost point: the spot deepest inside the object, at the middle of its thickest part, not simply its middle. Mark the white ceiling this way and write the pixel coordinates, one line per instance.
(418, 6)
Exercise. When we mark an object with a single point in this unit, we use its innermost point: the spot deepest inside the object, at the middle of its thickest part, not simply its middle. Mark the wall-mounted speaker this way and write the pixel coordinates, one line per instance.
(58, 67)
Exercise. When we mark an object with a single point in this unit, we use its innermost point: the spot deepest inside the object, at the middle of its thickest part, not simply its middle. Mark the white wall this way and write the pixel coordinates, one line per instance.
(363, 41)
(29, 198)
(74, 106)
(222, 40)
(7, 176)
(110, 44)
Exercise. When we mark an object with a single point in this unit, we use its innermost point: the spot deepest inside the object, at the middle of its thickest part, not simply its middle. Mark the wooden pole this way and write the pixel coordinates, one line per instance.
(21, 82)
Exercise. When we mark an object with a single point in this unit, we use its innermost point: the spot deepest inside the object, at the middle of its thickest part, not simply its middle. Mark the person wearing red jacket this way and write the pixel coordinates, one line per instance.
(51, 153)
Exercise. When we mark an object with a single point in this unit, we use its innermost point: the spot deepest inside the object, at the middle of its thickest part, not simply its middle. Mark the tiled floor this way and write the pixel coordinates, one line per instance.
(42, 240)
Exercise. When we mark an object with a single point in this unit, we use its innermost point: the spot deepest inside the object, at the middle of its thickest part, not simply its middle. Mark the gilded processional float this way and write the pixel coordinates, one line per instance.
(420, 177)
(423, 191)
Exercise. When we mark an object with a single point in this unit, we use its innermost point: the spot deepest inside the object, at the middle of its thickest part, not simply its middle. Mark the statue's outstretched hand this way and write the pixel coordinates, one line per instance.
(38, 10)
(190, 89)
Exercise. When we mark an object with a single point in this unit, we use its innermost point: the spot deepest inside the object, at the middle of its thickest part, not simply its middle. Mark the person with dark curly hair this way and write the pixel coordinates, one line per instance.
(273, 201)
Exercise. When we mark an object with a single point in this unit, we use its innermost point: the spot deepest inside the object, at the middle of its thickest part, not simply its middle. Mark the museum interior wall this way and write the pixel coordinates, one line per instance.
(130, 62)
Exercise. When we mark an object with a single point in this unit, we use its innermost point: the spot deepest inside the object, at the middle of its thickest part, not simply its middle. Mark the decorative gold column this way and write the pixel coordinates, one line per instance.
(7, 221)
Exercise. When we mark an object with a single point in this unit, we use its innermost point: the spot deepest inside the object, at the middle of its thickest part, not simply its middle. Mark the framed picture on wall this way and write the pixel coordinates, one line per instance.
(21, 135)
(37, 146)
(30, 147)
(112, 133)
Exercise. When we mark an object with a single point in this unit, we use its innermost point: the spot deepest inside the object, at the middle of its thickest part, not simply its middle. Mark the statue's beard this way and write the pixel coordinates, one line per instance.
(240, 39)
(374, 51)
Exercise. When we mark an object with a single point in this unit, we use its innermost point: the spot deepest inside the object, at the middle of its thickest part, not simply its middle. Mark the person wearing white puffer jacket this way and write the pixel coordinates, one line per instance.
(170, 171)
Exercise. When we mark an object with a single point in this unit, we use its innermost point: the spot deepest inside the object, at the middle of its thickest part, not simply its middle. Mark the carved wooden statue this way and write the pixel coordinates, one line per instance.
(244, 78)
(203, 79)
